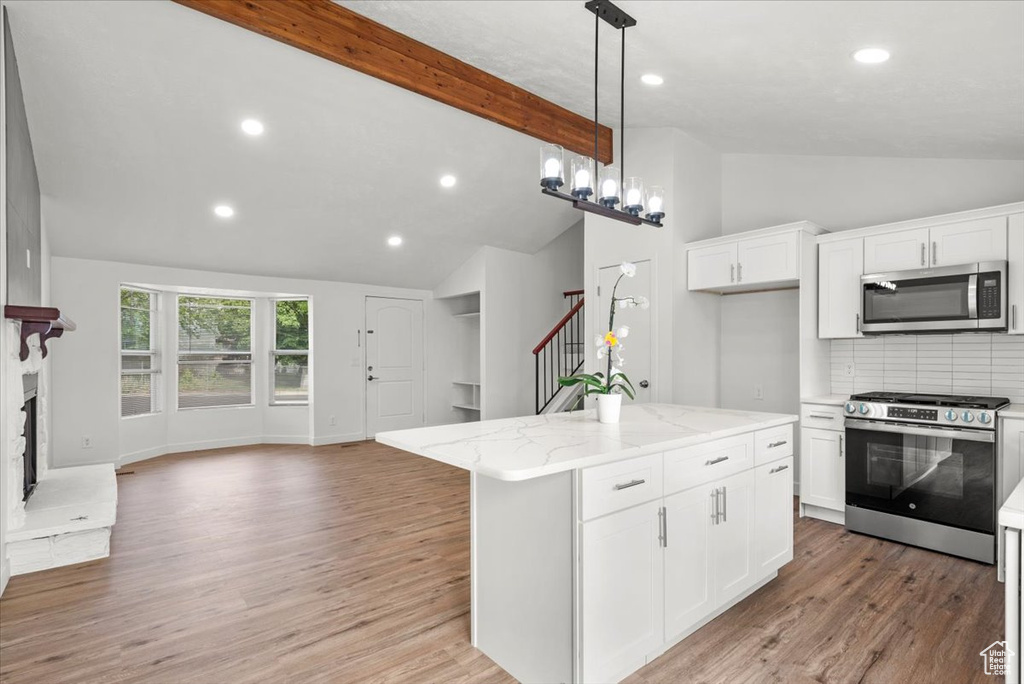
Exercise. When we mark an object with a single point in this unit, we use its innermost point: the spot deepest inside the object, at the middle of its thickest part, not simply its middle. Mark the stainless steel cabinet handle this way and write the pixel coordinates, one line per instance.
(819, 415)
(714, 507)
(840, 446)
(664, 526)
(739, 272)
(716, 460)
(778, 470)
(732, 273)
(923, 257)
(935, 253)
(777, 444)
(858, 324)
(725, 504)
(661, 526)
(627, 485)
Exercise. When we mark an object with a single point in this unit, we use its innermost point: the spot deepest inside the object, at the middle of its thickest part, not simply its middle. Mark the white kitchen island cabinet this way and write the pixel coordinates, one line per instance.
(595, 548)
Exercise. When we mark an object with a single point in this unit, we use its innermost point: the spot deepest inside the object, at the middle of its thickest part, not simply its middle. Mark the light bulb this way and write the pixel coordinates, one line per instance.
(654, 203)
(633, 197)
(551, 168)
(608, 188)
(582, 179)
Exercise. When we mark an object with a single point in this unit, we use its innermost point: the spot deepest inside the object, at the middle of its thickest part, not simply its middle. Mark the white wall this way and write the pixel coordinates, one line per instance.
(841, 193)
(85, 373)
(838, 193)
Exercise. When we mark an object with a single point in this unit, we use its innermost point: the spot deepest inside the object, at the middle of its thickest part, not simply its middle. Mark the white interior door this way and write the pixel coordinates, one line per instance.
(637, 348)
(394, 364)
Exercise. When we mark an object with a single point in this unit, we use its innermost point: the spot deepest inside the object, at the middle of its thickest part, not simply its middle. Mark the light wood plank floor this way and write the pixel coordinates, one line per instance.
(350, 564)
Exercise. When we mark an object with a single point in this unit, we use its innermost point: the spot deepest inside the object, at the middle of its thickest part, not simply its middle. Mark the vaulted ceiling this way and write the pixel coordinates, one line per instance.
(134, 109)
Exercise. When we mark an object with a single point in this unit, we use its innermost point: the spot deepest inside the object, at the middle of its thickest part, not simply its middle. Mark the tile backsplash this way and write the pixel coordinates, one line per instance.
(981, 364)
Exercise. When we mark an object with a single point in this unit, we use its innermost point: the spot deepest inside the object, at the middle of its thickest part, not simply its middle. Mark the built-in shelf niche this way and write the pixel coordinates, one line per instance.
(466, 389)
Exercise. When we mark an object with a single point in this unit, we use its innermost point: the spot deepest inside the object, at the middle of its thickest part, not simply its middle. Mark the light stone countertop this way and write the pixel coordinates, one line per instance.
(827, 399)
(515, 449)
(1012, 411)
(1012, 512)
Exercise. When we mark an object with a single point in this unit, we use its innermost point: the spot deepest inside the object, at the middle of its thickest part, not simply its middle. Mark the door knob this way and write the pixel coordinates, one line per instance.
(644, 384)
(372, 377)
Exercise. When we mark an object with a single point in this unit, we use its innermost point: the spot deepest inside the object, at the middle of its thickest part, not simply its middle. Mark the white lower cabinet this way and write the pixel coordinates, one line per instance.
(822, 469)
(652, 573)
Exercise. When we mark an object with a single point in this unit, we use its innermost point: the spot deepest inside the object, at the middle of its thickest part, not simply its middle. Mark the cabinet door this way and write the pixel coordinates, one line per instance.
(898, 251)
(773, 485)
(969, 242)
(822, 469)
(1015, 274)
(622, 591)
(732, 539)
(689, 595)
(767, 259)
(840, 266)
(711, 267)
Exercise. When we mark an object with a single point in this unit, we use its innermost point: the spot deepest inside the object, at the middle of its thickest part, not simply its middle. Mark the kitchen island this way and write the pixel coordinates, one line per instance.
(595, 548)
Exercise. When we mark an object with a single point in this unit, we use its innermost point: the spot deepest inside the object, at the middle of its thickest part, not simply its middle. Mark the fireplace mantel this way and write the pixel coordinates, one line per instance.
(45, 320)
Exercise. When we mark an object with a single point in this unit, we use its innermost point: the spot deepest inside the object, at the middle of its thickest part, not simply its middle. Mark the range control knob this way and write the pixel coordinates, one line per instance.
(851, 408)
(951, 415)
(984, 418)
(864, 408)
(968, 417)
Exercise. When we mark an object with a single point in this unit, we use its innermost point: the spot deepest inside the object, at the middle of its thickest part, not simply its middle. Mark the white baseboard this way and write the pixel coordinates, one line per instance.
(183, 447)
(337, 439)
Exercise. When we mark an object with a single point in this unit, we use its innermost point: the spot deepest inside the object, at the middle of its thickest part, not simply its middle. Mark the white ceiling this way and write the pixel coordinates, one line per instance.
(761, 76)
(134, 110)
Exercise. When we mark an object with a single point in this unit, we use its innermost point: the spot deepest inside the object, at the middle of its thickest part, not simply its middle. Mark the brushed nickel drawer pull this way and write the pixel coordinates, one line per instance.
(778, 470)
(823, 417)
(777, 444)
(627, 485)
(716, 460)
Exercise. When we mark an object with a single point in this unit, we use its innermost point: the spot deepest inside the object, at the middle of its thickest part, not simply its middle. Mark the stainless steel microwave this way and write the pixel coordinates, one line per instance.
(930, 300)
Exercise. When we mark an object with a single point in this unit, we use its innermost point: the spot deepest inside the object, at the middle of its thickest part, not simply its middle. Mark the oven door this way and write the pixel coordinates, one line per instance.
(940, 475)
(932, 299)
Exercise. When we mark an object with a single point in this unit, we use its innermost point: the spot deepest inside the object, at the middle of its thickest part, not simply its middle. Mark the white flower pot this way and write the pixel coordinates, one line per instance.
(608, 407)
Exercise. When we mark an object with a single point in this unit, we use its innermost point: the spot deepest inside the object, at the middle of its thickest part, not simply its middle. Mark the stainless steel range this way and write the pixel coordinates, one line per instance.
(921, 469)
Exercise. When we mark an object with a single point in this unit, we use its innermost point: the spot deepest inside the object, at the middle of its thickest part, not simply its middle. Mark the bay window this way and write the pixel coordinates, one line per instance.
(214, 352)
(140, 361)
(290, 356)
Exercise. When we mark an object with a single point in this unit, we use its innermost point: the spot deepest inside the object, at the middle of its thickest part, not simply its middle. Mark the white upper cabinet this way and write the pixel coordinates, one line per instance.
(712, 267)
(900, 251)
(964, 242)
(969, 242)
(1015, 275)
(767, 259)
(840, 266)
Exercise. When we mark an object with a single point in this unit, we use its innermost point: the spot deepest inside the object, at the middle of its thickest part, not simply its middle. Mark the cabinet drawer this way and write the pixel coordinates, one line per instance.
(773, 444)
(821, 416)
(614, 486)
(695, 465)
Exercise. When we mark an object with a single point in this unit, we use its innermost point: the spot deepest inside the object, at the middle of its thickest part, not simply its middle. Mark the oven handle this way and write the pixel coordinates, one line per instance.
(969, 435)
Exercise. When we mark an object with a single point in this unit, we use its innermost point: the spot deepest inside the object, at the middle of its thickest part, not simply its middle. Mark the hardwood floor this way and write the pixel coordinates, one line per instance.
(351, 564)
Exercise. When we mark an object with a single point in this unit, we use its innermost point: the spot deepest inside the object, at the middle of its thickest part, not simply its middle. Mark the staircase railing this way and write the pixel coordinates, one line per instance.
(561, 352)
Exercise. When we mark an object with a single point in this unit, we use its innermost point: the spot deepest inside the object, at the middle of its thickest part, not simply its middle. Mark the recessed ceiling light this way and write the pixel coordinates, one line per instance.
(252, 127)
(395, 240)
(652, 79)
(871, 55)
(447, 181)
(224, 211)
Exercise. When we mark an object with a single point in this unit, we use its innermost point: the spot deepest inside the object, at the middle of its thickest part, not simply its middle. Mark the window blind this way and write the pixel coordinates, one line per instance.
(214, 352)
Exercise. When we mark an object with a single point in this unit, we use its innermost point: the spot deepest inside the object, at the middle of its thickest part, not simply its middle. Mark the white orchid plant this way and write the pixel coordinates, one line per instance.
(609, 346)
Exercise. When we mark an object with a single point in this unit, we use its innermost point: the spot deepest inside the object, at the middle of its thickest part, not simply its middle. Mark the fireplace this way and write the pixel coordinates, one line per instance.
(31, 427)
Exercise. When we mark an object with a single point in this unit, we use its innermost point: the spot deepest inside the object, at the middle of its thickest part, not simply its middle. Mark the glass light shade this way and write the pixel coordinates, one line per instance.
(608, 189)
(656, 203)
(581, 171)
(551, 167)
(633, 195)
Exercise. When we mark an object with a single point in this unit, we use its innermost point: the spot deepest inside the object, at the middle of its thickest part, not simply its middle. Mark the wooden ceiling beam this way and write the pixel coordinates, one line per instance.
(333, 32)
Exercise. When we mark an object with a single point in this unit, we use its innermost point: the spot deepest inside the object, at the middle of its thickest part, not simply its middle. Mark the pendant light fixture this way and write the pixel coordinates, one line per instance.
(614, 196)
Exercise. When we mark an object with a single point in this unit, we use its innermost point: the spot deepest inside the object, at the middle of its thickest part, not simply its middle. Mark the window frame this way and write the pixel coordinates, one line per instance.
(275, 352)
(155, 363)
(179, 353)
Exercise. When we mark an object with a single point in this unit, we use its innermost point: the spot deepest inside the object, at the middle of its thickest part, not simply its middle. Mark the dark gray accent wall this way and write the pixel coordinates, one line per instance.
(24, 274)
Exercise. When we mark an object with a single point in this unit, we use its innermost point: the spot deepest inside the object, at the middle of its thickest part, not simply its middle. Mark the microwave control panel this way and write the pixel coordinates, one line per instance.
(989, 295)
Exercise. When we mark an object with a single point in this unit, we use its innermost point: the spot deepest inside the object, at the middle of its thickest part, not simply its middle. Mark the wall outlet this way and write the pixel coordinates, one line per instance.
(87, 442)
(334, 420)
(759, 392)
(849, 370)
